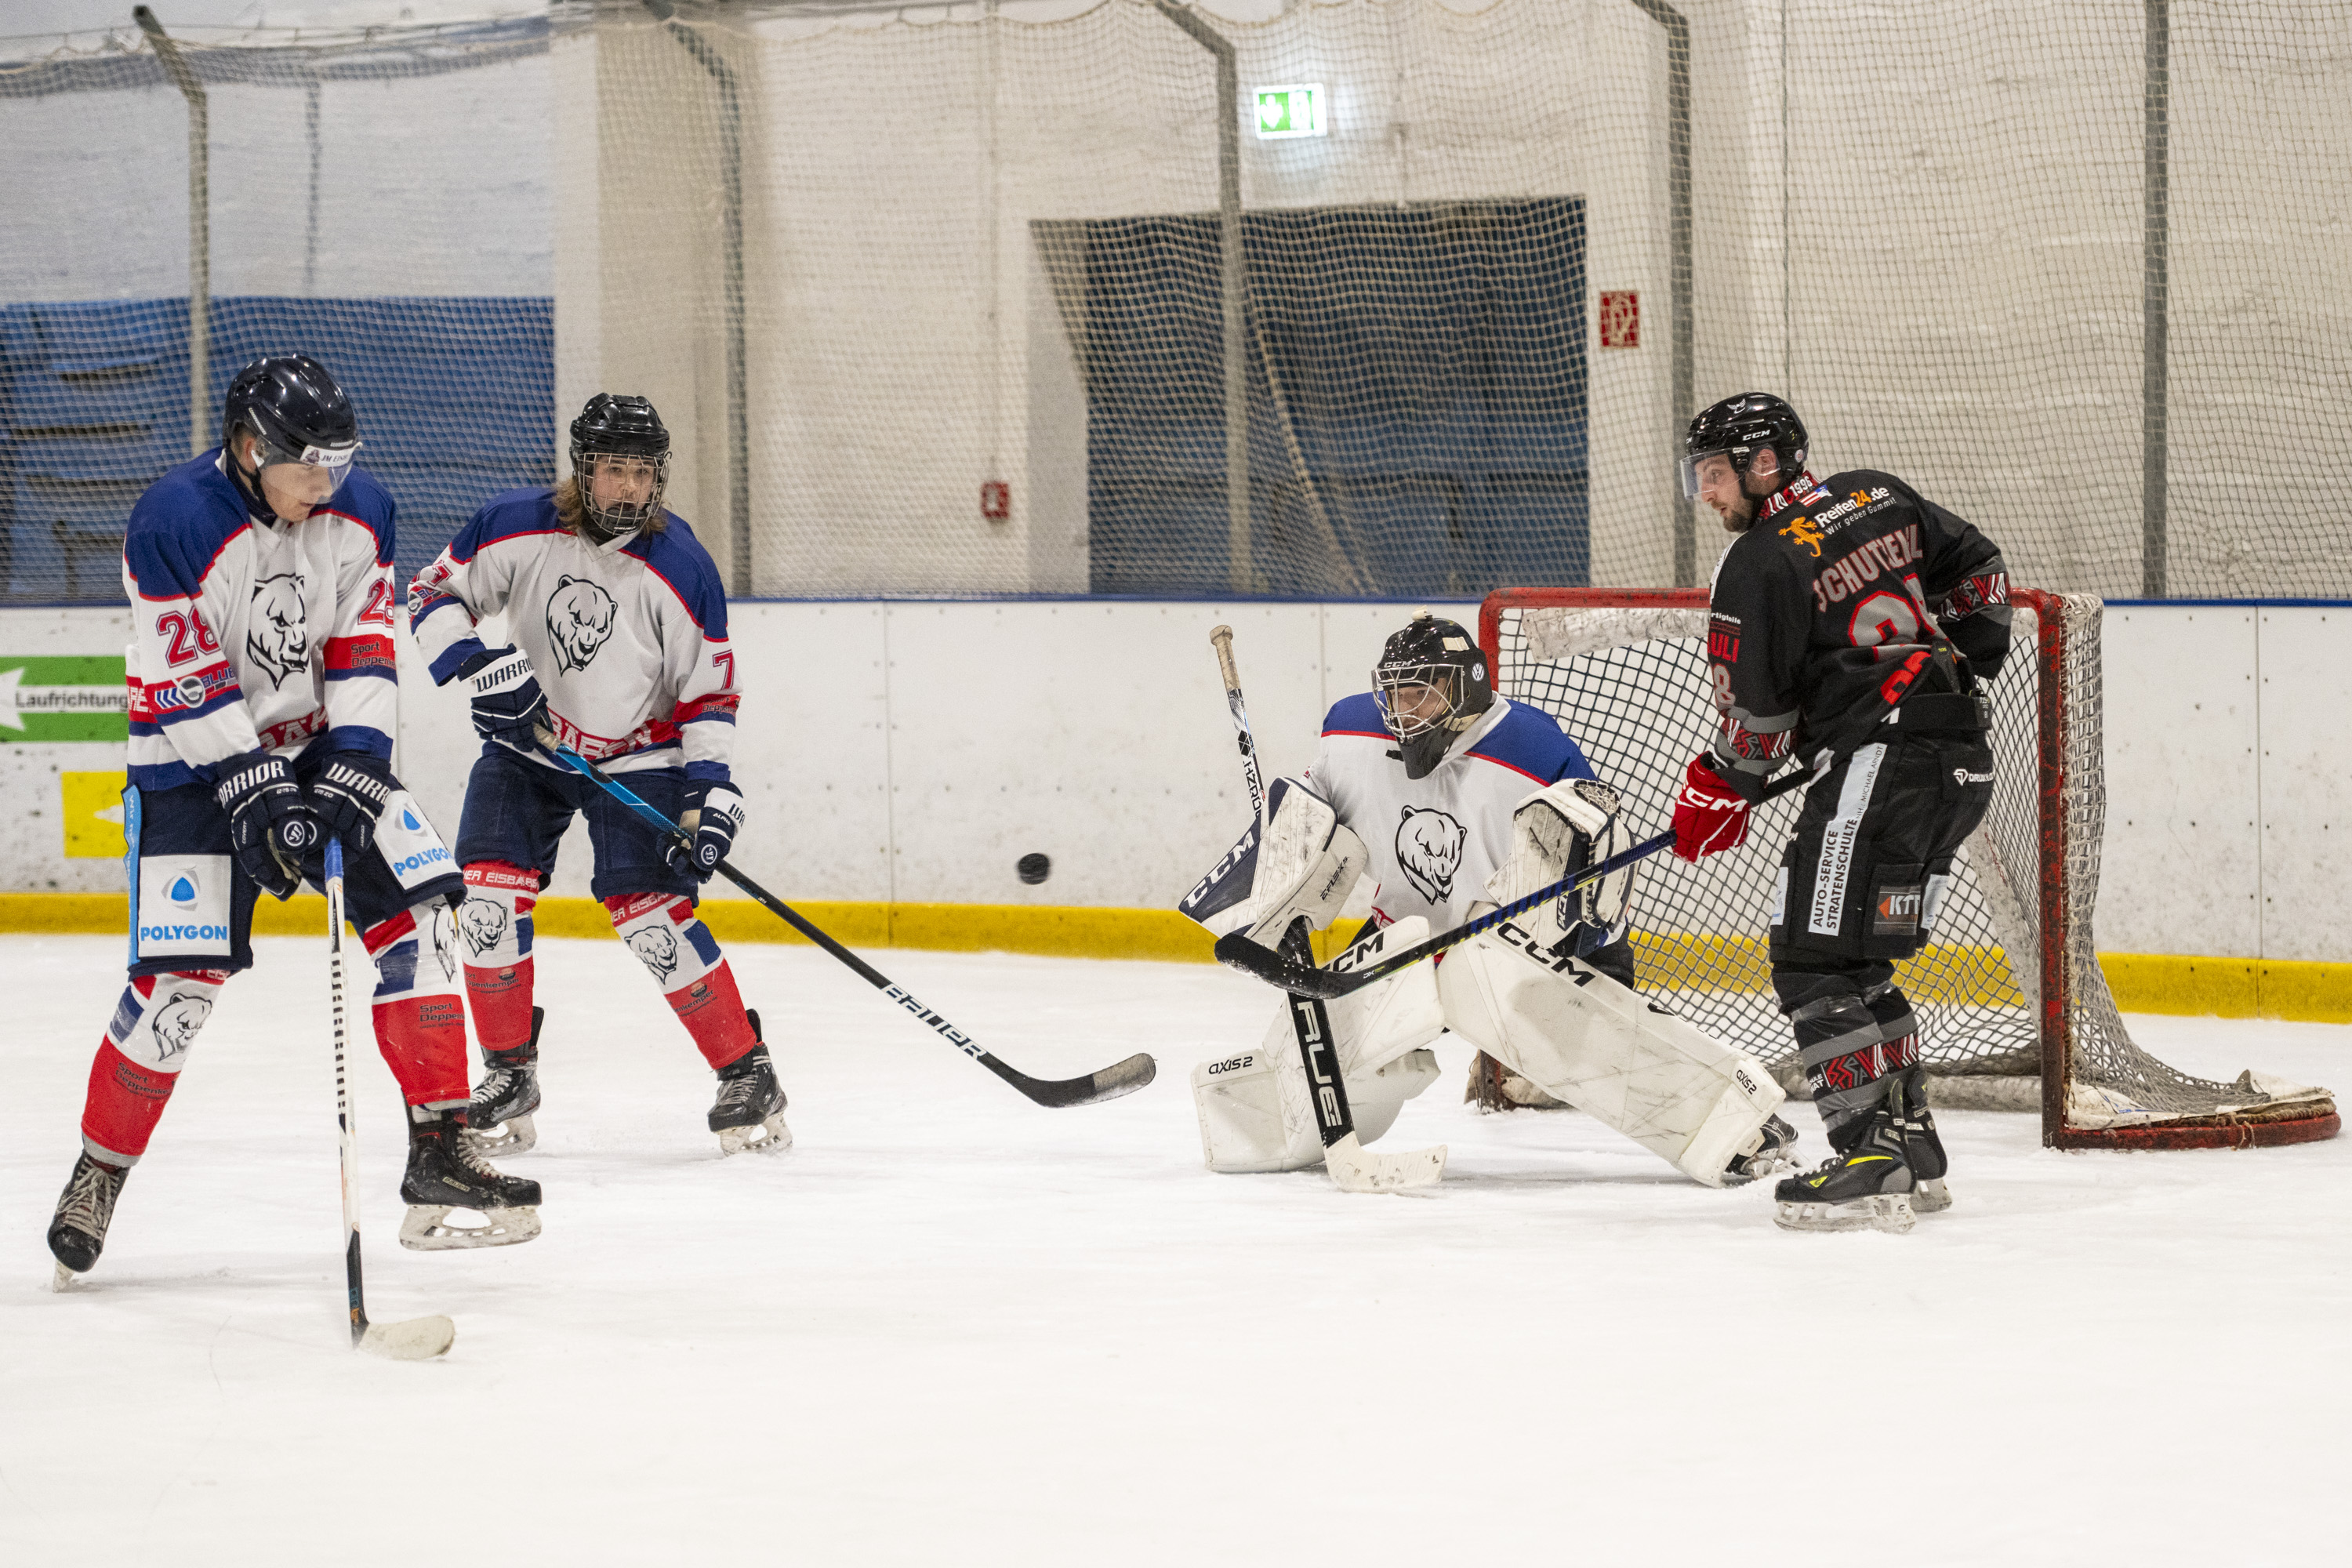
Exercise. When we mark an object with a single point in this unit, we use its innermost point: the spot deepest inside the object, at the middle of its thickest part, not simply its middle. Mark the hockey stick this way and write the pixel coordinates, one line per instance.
(416, 1339)
(1282, 969)
(1119, 1077)
(1353, 1168)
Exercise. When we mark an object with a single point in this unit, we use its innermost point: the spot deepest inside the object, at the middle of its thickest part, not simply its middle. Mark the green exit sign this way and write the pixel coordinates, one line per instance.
(1295, 110)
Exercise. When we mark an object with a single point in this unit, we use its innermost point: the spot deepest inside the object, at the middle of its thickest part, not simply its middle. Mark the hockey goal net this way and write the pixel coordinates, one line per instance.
(2013, 1009)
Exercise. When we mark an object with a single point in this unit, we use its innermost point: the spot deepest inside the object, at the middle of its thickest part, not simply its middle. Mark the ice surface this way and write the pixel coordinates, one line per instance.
(950, 1327)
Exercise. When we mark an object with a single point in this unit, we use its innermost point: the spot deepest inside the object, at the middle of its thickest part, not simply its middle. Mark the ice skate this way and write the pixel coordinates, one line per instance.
(443, 1174)
(1773, 1141)
(78, 1232)
(750, 1111)
(1922, 1149)
(1868, 1185)
(498, 1117)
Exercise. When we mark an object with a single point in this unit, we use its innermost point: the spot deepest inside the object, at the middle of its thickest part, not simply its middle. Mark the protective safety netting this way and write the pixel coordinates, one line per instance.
(1631, 683)
(1097, 296)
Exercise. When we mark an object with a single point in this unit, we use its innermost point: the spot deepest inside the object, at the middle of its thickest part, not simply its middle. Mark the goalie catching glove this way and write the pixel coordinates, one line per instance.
(713, 815)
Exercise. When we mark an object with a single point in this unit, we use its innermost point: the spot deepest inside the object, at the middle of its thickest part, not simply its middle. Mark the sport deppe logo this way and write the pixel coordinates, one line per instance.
(182, 893)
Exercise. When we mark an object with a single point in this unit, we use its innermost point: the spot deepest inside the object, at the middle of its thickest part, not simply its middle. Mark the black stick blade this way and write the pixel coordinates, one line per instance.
(1118, 1078)
(1237, 951)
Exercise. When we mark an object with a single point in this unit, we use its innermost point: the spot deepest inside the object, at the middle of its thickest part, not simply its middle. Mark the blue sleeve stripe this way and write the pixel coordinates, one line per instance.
(229, 699)
(162, 775)
(371, 672)
(360, 738)
(712, 718)
(444, 665)
(709, 773)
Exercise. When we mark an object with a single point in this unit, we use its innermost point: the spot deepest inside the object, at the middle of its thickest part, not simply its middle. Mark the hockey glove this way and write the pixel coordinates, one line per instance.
(508, 703)
(714, 815)
(349, 796)
(270, 827)
(1709, 814)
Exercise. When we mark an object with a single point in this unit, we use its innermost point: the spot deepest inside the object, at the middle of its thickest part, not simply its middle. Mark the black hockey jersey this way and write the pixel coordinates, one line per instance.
(1832, 607)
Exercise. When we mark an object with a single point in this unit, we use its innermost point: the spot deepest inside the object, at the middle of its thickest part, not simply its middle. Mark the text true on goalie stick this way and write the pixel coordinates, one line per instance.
(415, 1338)
(1118, 1078)
(1352, 1167)
(1302, 978)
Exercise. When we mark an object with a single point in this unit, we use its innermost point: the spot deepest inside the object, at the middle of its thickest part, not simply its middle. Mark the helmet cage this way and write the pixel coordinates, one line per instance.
(1408, 720)
(610, 520)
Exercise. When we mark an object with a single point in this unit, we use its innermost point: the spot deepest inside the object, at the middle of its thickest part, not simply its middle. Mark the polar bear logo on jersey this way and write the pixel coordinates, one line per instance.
(445, 940)
(656, 948)
(278, 637)
(579, 618)
(1429, 846)
(176, 1025)
(482, 923)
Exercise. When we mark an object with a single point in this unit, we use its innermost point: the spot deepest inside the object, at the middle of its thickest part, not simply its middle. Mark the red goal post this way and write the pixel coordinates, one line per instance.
(2007, 1018)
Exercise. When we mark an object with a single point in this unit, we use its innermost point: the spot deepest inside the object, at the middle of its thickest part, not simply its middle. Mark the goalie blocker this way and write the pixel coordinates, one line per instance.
(1524, 993)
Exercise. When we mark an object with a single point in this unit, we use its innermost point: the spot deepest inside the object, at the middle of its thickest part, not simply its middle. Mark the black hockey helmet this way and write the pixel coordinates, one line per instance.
(1739, 428)
(619, 427)
(1441, 657)
(292, 405)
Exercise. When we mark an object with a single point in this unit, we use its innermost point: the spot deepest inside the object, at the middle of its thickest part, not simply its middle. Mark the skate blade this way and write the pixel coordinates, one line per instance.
(417, 1338)
(426, 1228)
(515, 1135)
(1932, 1197)
(770, 1137)
(1889, 1212)
(63, 1279)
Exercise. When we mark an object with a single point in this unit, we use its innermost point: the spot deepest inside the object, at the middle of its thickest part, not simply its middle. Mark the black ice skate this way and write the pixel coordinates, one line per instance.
(1868, 1184)
(78, 1232)
(1922, 1149)
(498, 1117)
(445, 1175)
(1767, 1152)
(750, 1111)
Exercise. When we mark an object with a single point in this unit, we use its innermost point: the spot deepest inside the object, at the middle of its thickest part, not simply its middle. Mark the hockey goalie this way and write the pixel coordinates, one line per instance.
(1422, 783)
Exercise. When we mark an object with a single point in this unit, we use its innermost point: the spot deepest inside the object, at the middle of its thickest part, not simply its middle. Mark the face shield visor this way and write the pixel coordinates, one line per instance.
(1693, 463)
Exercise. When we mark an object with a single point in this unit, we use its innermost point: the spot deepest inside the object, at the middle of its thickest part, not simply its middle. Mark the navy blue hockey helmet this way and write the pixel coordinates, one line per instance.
(296, 411)
(1430, 656)
(1739, 428)
(619, 426)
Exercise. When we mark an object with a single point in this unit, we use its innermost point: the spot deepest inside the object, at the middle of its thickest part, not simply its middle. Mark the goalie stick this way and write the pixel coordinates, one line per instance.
(1303, 979)
(415, 1338)
(1118, 1078)
(1352, 1167)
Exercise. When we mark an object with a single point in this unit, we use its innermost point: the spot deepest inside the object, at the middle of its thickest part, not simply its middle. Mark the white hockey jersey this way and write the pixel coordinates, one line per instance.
(1435, 841)
(256, 635)
(628, 638)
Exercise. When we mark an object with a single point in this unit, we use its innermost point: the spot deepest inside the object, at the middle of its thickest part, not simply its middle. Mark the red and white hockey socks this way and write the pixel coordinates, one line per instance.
(494, 924)
(679, 951)
(139, 1061)
(420, 1021)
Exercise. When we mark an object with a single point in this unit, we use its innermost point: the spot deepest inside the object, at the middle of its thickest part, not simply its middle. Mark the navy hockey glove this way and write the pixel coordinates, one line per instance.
(508, 703)
(349, 796)
(270, 827)
(714, 815)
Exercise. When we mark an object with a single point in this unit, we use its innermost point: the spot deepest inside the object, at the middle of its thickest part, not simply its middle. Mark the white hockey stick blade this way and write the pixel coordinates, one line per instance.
(1356, 1168)
(417, 1338)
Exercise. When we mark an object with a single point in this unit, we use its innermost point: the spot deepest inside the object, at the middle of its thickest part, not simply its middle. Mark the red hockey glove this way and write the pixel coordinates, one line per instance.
(1709, 814)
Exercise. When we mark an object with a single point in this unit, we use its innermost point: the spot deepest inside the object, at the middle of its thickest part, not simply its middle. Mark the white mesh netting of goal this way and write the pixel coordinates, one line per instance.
(2013, 1009)
(1016, 297)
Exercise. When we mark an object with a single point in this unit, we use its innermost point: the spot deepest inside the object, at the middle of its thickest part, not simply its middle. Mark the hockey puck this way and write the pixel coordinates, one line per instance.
(1033, 868)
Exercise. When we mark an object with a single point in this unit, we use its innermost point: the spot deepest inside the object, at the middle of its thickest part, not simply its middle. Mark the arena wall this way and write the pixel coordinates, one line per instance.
(900, 758)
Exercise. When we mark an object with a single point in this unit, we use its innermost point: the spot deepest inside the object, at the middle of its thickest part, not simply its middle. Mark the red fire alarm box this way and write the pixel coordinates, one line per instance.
(996, 501)
(1621, 319)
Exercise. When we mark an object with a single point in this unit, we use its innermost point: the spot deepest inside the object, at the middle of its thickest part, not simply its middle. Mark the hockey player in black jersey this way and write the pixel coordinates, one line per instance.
(1851, 626)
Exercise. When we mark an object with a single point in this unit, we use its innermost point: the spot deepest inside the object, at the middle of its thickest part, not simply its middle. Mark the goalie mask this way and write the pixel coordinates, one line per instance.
(1432, 684)
(620, 458)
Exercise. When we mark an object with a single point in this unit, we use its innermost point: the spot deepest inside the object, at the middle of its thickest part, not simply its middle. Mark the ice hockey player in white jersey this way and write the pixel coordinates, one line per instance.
(263, 704)
(618, 646)
(1454, 800)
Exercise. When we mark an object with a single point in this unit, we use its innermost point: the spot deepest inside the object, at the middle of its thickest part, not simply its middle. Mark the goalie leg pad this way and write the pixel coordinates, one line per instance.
(1254, 1110)
(1679, 1093)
